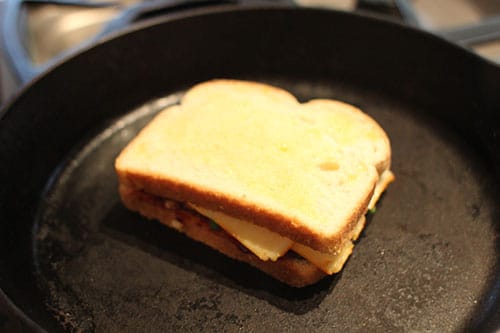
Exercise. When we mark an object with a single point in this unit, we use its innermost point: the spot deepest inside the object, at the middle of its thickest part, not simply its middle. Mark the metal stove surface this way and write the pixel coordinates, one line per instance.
(35, 33)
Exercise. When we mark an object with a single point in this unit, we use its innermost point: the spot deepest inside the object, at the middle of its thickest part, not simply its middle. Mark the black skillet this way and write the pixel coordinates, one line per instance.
(72, 258)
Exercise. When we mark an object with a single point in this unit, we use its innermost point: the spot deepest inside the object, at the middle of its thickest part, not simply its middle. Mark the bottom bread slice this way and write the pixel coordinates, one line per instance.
(290, 269)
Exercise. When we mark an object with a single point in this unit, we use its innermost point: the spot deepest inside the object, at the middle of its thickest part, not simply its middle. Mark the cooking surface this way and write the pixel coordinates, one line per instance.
(423, 263)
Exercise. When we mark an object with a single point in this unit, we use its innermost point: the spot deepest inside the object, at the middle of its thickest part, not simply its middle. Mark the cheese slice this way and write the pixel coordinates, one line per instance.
(327, 262)
(265, 244)
(268, 245)
(385, 178)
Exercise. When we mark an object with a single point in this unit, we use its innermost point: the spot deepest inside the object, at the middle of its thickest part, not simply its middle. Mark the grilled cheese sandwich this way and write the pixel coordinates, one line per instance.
(277, 176)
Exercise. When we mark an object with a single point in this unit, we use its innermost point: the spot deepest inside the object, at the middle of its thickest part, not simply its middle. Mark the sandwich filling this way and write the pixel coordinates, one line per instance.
(268, 245)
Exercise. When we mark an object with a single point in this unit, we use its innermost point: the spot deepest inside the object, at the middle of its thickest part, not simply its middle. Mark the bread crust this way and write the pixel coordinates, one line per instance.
(294, 271)
(142, 180)
(181, 192)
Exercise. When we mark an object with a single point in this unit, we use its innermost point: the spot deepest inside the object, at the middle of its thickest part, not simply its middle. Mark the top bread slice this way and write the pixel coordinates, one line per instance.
(306, 171)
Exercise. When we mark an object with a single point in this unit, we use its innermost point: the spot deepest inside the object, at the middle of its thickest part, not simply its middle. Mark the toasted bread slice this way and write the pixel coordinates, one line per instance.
(305, 171)
(290, 269)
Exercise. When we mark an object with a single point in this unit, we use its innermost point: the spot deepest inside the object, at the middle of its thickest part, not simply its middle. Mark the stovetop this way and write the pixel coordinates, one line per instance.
(36, 33)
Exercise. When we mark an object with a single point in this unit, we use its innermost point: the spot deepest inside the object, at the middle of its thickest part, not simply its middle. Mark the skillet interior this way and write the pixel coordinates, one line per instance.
(428, 259)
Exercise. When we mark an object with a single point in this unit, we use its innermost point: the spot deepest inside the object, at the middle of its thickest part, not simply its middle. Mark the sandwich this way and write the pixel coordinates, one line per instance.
(246, 169)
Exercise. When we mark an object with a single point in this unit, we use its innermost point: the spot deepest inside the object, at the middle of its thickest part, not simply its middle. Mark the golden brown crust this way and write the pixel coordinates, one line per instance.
(181, 192)
(291, 270)
(328, 233)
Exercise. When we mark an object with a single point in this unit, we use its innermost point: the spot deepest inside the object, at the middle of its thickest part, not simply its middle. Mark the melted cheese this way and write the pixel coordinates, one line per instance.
(268, 245)
(265, 244)
(327, 262)
(385, 178)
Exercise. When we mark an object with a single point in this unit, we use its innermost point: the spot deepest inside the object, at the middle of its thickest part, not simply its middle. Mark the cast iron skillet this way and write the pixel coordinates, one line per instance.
(72, 258)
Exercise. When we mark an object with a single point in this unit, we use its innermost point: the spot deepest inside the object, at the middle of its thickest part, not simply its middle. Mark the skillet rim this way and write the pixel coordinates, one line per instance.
(219, 9)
